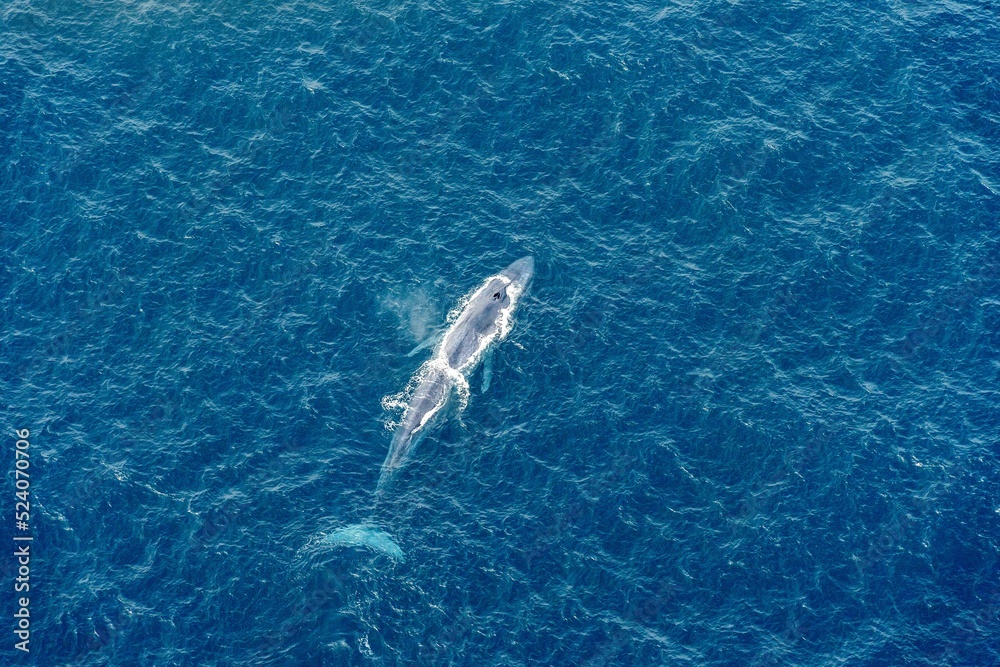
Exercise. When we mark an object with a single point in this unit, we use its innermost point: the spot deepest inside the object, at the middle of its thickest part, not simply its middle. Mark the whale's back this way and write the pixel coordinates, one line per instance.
(479, 320)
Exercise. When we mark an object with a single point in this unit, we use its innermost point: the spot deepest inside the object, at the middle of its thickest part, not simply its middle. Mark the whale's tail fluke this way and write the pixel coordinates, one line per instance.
(365, 535)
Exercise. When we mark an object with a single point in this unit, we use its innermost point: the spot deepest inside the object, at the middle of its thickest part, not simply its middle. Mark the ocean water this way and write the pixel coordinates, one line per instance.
(747, 413)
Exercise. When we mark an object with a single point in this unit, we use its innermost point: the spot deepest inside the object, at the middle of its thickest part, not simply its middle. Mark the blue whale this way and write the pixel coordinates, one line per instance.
(483, 319)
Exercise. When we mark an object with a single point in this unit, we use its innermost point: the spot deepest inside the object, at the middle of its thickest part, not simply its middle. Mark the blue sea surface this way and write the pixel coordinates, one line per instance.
(747, 413)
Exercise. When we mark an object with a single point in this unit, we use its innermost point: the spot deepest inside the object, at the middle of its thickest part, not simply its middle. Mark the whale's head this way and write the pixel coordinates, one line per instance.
(520, 272)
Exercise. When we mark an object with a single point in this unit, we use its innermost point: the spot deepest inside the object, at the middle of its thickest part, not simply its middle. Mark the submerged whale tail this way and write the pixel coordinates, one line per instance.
(364, 535)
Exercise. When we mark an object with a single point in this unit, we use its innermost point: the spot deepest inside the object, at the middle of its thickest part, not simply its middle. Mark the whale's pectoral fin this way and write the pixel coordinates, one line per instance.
(487, 369)
(426, 343)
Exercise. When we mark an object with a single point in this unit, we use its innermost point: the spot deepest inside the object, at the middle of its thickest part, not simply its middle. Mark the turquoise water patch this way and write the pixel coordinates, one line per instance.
(365, 536)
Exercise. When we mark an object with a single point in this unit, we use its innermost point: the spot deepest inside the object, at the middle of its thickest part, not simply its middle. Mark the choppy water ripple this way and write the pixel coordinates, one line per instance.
(747, 413)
